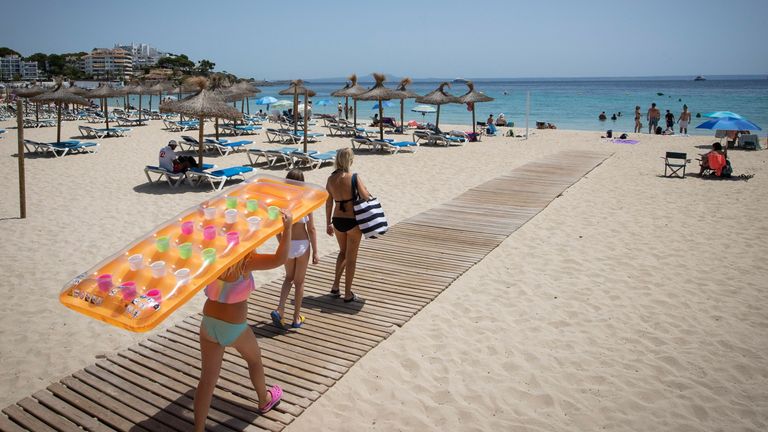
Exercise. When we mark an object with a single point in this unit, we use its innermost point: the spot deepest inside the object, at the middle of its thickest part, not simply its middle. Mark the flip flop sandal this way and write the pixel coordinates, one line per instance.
(300, 323)
(276, 392)
(335, 293)
(277, 320)
(353, 298)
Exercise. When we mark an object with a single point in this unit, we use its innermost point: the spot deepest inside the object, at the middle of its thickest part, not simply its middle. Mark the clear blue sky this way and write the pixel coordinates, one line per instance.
(448, 38)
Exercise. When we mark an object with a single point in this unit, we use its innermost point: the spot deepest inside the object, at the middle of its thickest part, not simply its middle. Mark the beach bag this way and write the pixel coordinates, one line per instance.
(368, 214)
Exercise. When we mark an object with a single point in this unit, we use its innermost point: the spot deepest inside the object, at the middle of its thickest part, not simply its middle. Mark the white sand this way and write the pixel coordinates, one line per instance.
(633, 302)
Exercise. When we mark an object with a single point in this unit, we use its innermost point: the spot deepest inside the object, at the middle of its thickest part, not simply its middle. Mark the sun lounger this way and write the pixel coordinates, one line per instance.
(32, 123)
(181, 126)
(240, 129)
(313, 160)
(125, 121)
(225, 147)
(60, 149)
(311, 136)
(272, 156)
(217, 178)
(281, 136)
(90, 132)
(394, 147)
(173, 179)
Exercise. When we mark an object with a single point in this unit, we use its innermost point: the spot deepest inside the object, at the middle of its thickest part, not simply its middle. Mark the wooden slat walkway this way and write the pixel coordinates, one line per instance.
(150, 387)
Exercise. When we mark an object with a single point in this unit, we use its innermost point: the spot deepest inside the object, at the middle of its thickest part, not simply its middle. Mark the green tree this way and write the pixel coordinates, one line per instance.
(205, 67)
(180, 62)
(4, 51)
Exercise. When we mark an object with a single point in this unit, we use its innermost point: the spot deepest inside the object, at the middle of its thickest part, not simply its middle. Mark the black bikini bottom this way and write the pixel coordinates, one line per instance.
(343, 224)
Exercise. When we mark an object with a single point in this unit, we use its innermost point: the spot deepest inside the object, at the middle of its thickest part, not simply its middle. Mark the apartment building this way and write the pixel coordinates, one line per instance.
(12, 67)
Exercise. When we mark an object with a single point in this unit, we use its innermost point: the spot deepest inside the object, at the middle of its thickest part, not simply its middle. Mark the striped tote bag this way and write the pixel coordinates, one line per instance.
(368, 214)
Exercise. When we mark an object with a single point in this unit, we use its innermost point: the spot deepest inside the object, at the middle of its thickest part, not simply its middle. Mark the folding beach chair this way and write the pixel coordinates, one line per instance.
(218, 178)
(674, 162)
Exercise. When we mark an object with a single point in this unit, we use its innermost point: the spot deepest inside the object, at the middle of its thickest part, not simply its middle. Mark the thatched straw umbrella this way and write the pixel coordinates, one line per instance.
(31, 92)
(405, 94)
(159, 88)
(59, 96)
(379, 93)
(473, 96)
(246, 90)
(350, 90)
(438, 97)
(104, 92)
(296, 88)
(203, 104)
(140, 90)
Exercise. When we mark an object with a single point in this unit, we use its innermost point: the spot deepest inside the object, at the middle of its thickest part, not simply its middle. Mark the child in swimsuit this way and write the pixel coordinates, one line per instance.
(224, 324)
(303, 239)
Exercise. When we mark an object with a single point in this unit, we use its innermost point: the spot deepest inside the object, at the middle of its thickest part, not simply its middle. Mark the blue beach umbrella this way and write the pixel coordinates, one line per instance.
(728, 123)
(723, 114)
(324, 102)
(266, 100)
(385, 104)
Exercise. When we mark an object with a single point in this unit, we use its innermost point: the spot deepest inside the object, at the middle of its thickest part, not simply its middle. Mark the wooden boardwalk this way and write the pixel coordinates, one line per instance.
(150, 387)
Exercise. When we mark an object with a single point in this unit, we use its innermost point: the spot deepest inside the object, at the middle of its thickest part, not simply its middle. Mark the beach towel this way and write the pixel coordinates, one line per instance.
(624, 141)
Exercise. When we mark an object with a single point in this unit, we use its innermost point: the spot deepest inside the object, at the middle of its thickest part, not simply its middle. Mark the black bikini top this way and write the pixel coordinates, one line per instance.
(341, 203)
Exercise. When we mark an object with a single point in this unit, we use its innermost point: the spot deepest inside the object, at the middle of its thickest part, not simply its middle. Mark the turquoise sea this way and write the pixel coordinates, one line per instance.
(572, 103)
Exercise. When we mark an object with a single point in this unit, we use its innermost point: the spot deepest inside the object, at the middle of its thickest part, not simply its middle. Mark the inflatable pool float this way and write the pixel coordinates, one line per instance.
(140, 286)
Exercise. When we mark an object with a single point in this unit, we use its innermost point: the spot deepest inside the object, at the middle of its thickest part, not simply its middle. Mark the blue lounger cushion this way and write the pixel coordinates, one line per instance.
(229, 172)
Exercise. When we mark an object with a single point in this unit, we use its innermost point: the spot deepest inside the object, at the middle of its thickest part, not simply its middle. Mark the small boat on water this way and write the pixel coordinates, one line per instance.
(699, 78)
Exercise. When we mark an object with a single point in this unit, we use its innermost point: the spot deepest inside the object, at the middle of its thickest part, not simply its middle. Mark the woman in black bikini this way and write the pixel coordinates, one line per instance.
(340, 219)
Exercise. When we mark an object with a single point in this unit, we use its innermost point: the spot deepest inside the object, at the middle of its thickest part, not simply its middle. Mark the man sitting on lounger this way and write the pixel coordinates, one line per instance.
(176, 164)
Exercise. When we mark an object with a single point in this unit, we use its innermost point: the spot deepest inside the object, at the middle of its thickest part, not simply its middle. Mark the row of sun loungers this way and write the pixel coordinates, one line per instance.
(181, 126)
(291, 157)
(388, 145)
(240, 129)
(433, 138)
(90, 132)
(288, 136)
(32, 123)
(60, 149)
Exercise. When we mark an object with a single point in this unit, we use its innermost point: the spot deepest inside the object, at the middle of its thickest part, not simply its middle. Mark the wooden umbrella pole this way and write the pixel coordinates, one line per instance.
(305, 121)
(200, 144)
(22, 190)
(437, 120)
(381, 120)
(139, 106)
(150, 102)
(106, 113)
(473, 119)
(217, 128)
(346, 107)
(58, 125)
(402, 116)
(354, 114)
(295, 108)
(37, 111)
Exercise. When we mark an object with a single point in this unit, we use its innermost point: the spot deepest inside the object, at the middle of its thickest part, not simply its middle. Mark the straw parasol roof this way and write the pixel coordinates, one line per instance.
(103, 92)
(297, 88)
(59, 96)
(206, 103)
(438, 97)
(379, 93)
(473, 96)
(350, 90)
(29, 91)
(402, 88)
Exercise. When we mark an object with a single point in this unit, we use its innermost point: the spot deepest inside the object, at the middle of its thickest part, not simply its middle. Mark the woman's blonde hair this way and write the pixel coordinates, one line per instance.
(344, 159)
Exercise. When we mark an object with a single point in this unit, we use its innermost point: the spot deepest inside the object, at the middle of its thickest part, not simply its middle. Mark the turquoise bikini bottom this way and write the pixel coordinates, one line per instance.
(224, 333)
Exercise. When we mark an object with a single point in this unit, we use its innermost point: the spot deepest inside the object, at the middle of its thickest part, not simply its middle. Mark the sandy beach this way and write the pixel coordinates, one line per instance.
(632, 302)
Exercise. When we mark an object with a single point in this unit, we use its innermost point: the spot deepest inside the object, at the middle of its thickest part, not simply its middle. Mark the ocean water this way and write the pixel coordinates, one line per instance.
(570, 104)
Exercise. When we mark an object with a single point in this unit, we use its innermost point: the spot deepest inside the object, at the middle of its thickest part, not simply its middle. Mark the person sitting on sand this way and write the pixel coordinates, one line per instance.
(717, 150)
(501, 121)
(375, 120)
(176, 164)
(602, 116)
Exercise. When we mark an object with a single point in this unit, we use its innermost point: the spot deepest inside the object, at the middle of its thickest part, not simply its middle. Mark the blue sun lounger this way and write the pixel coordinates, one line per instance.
(312, 160)
(274, 156)
(62, 148)
(219, 176)
(225, 147)
(394, 147)
(174, 179)
(240, 129)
